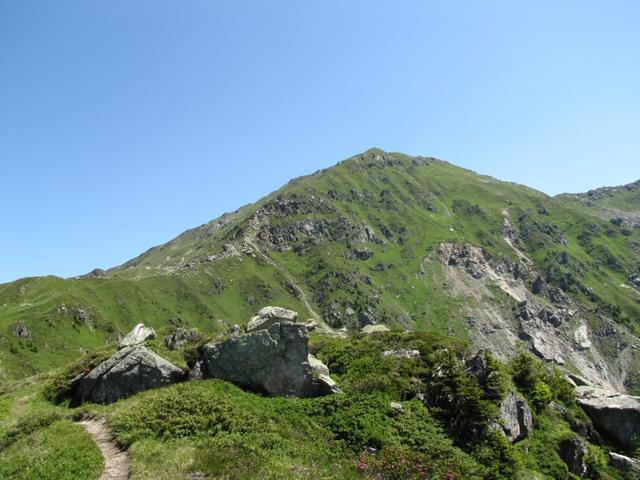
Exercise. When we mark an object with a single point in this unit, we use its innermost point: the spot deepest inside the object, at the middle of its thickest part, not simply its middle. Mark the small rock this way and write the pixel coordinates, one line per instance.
(181, 337)
(581, 337)
(196, 372)
(20, 330)
(267, 316)
(137, 336)
(371, 329)
(359, 254)
(311, 325)
(397, 407)
(402, 353)
(234, 330)
(317, 367)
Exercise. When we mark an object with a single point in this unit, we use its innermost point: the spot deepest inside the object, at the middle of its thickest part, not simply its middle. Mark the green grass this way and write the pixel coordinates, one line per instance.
(60, 451)
(214, 429)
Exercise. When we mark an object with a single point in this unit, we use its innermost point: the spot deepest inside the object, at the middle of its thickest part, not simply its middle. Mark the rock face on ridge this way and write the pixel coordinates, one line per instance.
(616, 415)
(128, 371)
(273, 360)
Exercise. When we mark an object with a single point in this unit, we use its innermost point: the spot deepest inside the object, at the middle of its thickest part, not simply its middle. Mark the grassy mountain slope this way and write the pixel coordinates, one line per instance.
(358, 243)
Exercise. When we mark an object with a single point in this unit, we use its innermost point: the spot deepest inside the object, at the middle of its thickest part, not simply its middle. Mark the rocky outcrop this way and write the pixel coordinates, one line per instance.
(129, 371)
(614, 414)
(572, 451)
(515, 417)
(625, 464)
(181, 337)
(274, 361)
(20, 330)
(137, 336)
(267, 316)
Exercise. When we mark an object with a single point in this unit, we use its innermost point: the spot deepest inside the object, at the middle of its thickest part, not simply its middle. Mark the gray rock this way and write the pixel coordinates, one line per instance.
(316, 366)
(137, 336)
(402, 353)
(614, 414)
(369, 329)
(274, 361)
(20, 330)
(515, 416)
(359, 254)
(128, 371)
(396, 407)
(572, 451)
(181, 337)
(234, 330)
(196, 372)
(324, 385)
(625, 464)
(267, 316)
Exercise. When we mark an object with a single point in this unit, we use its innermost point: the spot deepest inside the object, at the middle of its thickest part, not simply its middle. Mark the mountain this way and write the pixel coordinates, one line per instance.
(412, 242)
(399, 269)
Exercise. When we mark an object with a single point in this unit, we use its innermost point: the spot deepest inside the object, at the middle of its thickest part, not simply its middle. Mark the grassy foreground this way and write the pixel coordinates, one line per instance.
(377, 429)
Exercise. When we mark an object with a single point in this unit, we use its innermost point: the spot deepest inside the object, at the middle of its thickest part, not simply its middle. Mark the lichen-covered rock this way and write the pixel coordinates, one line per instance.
(267, 316)
(516, 418)
(614, 414)
(181, 337)
(274, 361)
(128, 371)
(137, 336)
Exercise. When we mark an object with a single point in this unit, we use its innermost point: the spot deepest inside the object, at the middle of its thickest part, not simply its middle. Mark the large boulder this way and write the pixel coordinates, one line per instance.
(137, 336)
(267, 316)
(181, 337)
(274, 361)
(614, 414)
(128, 371)
(625, 464)
(515, 417)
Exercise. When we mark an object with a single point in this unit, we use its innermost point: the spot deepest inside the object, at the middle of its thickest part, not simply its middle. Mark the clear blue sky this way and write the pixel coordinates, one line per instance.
(125, 122)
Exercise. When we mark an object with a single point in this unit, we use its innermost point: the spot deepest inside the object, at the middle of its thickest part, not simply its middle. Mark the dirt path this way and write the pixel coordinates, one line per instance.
(116, 461)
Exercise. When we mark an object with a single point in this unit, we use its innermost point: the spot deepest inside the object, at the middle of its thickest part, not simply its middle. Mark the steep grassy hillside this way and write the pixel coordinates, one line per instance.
(378, 238)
